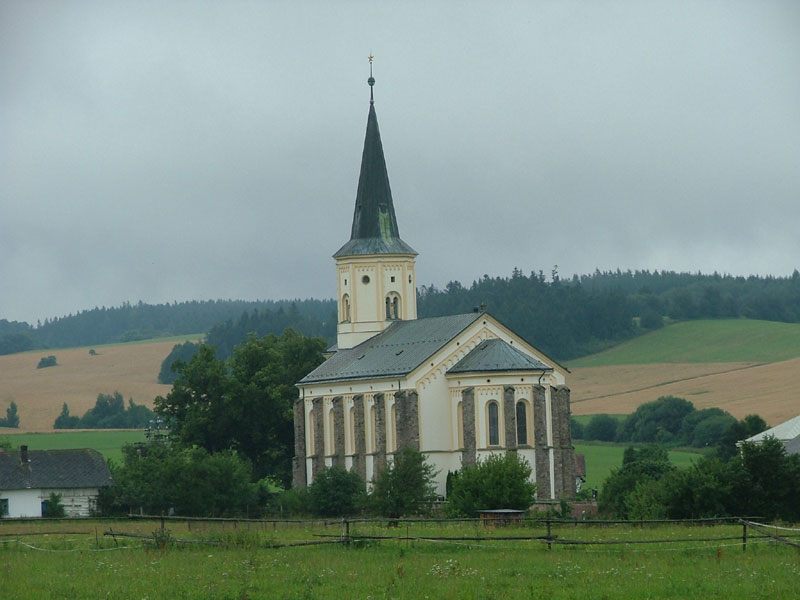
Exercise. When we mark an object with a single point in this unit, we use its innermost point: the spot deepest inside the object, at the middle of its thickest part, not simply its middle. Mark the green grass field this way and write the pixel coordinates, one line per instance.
(108, 443)
(86, 564)
(602, 457)
(725, 340)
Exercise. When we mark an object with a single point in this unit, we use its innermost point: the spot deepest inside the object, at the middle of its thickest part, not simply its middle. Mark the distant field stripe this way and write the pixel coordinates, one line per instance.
(704, 341)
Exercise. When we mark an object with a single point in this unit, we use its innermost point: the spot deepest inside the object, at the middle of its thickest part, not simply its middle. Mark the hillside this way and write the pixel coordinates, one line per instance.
(742, 366)
(131, 369)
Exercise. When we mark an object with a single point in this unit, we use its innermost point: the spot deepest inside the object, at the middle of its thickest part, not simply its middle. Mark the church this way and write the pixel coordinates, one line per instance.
(457, 388)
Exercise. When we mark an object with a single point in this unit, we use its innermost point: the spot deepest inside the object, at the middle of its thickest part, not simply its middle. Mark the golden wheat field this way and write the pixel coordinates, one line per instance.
(77, 379)
(771, 390)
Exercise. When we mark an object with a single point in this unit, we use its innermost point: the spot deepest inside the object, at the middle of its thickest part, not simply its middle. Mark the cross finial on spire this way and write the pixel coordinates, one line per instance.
(371, 80)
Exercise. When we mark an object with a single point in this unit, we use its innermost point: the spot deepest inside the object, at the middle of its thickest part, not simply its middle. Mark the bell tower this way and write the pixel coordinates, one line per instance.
(375, 268)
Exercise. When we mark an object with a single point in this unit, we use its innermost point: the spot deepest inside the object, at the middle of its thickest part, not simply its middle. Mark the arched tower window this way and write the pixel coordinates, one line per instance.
(346, 308)
(393, 306)
(494, 423)
(522, 423)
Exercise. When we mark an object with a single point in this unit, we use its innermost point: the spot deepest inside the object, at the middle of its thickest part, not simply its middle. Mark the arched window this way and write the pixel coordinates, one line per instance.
(393, 306)
(460, 424)
(522, 423)
(494, 424)
(345, 308)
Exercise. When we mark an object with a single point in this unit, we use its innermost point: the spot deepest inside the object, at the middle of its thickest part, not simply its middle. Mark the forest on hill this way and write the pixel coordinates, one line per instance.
(565, 318)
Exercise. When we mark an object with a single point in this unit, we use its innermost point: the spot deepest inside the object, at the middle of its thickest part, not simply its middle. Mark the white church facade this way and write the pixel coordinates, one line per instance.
(457, 388)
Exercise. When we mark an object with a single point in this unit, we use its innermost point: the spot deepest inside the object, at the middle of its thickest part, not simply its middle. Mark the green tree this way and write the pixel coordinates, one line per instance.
(12, 418)
(405, 486)
(53, 508)
(656, 422)
(336, 492)
(638, 466)
(65, 420)
(245, 402)
(157, 478)
(500, 481)
(602, 428)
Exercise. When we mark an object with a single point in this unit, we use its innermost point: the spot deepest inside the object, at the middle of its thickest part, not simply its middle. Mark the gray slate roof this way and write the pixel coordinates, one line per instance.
(396, 351)
(374, 228)
(49, 469)
(497, 355)
(793, 446)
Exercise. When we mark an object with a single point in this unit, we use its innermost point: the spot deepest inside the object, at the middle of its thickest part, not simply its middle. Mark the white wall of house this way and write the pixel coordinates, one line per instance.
(77, 502)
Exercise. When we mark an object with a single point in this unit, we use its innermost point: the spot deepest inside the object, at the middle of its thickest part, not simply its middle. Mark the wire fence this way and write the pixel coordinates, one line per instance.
(494, 532)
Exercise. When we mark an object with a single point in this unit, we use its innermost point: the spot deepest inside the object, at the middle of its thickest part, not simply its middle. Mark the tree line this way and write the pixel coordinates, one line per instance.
(109, 412)
(565, 318)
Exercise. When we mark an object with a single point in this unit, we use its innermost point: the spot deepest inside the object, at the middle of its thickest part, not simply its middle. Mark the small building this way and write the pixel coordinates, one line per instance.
(27, 478)
(787, 432)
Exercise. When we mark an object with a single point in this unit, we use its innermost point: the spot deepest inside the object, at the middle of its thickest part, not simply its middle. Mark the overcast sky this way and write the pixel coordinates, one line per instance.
(163, 151)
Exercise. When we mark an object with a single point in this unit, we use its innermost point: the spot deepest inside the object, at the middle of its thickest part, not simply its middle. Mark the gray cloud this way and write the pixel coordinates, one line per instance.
(185, 150)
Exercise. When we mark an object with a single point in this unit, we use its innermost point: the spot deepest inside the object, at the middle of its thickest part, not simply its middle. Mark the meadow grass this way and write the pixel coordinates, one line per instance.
(77, 566)
(724, 340)
(108, 443)
(602, 457)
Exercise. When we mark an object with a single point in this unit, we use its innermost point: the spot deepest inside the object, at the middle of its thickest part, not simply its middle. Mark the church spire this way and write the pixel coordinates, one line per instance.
(374, 229)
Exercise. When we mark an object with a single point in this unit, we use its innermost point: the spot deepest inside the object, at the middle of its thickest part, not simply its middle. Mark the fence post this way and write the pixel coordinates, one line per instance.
(549, 545)
(744, 536)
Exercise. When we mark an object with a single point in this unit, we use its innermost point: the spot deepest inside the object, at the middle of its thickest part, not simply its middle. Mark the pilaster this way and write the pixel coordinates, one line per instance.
(359, 433)
(541, 449)
(299, 459)
(469, 454)
(338, 431)
(509, 417)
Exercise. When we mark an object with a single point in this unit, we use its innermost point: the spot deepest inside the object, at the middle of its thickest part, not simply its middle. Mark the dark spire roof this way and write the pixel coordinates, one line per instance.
(374, 223)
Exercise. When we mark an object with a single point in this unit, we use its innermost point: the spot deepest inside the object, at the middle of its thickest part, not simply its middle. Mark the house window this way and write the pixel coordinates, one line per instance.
(522, 423)
(494, 424)
(3, 507)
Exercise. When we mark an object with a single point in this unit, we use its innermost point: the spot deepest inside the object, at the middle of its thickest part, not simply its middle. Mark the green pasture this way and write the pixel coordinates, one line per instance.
(724, 340)
(108, 443)
(584, 419)
(602, 457)
(83, 563)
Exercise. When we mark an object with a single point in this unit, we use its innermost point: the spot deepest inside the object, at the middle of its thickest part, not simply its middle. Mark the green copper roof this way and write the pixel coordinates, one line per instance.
(374, 223)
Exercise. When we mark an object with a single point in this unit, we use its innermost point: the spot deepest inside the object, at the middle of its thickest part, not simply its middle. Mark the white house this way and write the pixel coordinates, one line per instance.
(456, 387)
(27, 478)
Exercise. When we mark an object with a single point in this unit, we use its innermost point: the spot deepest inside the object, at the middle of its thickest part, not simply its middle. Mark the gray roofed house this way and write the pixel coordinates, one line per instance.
(28, 477)
(458, 388)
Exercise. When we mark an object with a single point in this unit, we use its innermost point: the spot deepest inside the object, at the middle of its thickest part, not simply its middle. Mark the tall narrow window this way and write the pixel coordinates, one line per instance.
(373, 426)
(494, 424)
(311, 447)
(332, 434)
(351, 421)
(522, 423)
(394, 427)
(460, 424)
(345, 308)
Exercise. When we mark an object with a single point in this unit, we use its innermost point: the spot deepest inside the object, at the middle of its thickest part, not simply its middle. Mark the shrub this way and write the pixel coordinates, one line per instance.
(577, 429)
(336, 492)
(404, 487)
(602, 428)
(12, 418)
(500, 481)
(47, 361)
(53, 509)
